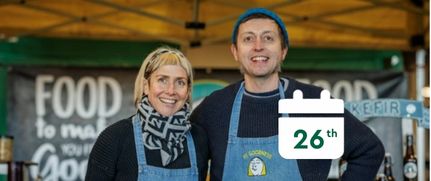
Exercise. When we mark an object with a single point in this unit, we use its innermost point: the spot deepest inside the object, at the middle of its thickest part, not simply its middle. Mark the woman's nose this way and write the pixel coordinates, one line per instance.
(171, 89)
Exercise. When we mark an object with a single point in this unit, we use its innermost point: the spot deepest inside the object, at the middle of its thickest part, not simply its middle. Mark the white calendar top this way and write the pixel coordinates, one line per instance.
(299, 105)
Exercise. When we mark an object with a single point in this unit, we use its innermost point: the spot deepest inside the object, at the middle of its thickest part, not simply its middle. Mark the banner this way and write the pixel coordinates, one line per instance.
(56, 114)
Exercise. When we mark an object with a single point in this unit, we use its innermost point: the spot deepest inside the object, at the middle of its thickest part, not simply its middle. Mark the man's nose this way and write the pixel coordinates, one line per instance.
(258, 46)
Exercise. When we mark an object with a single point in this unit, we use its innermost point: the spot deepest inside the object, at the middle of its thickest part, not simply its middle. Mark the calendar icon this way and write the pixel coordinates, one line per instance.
(311, 136)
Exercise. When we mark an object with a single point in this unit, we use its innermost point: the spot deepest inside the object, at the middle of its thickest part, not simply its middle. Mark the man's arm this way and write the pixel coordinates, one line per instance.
(198, 118)
(363, 150)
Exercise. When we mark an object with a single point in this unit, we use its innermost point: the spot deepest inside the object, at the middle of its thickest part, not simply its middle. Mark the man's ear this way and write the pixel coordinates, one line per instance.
(234, 52)
(285, 50)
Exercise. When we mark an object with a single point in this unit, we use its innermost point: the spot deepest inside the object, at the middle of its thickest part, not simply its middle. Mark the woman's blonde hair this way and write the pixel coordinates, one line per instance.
(161, 56)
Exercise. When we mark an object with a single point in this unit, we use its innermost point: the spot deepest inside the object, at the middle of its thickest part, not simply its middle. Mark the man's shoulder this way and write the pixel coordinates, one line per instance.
(308, 90)
(217, 100)
(228, 91)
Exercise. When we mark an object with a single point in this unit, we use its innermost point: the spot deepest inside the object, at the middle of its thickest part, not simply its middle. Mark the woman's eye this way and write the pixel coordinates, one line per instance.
(161, 80)
(181, 83)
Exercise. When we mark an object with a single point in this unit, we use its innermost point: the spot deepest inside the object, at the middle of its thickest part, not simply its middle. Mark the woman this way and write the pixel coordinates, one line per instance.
(159, 137)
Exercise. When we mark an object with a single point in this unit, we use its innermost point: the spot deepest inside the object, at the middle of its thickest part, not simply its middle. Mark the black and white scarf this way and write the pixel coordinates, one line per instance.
(166, 134)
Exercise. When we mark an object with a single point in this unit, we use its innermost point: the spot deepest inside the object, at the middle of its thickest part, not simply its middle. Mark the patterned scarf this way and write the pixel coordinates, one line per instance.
(166, 134)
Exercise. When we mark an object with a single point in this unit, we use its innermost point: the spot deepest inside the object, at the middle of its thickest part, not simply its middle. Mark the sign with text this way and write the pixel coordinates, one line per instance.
(56, 115)
(386, 108)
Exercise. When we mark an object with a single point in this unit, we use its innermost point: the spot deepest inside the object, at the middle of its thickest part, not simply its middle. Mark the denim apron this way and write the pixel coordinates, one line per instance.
(255, 158)
(153, 173)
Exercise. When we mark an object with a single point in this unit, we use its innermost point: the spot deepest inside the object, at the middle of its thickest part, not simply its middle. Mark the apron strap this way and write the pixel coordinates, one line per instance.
(236, 110)
(139, 144)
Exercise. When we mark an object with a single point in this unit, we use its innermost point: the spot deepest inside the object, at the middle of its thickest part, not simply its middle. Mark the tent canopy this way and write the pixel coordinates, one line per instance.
(370, 24)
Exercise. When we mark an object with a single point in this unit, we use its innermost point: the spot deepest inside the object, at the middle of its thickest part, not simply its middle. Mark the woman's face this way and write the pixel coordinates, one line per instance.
(167, 89)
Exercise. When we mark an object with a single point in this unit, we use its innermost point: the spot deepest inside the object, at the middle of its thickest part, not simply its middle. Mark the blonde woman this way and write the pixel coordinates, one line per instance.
(158, 142)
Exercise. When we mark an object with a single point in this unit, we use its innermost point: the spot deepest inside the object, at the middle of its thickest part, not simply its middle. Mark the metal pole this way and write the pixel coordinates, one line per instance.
(196, 17)
(420, 131)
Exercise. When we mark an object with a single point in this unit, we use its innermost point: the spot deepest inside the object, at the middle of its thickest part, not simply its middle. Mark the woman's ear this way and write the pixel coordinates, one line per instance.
(189, 96)
(146, 85)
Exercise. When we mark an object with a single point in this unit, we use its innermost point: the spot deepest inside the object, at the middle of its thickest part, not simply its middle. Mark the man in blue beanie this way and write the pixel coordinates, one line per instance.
(242, 119)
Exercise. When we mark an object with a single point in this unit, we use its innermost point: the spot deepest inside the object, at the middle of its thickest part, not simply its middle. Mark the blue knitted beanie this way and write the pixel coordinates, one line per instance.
(266, 12)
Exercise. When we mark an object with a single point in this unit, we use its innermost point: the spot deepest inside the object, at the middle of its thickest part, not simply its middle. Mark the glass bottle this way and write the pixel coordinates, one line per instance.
(388, 167)
(382, 177)
(410, 161)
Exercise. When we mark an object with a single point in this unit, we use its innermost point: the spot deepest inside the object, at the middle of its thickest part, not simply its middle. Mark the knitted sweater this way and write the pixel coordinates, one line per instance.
(259, 118)
(113, 156)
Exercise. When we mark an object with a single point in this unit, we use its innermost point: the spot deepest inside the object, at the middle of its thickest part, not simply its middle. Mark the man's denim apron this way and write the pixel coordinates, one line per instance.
(255, 158)
(153, 173)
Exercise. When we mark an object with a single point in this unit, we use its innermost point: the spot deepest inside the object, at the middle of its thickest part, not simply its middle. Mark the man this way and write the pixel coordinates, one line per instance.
(242, 119)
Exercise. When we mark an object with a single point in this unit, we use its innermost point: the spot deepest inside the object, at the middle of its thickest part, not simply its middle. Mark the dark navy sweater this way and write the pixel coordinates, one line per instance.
(259, 118)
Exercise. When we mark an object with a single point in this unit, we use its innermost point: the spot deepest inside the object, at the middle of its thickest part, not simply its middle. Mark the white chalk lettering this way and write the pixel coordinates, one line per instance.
(368, 89)
(82, 132)
(44, 130)
(92, 101)
(55, 169)
(347, 90)
(76, 150)
(86, 97)
(57, 105)
(41, 94)
(48, 172)
(77, 131)
(114, 86)
(323, 84)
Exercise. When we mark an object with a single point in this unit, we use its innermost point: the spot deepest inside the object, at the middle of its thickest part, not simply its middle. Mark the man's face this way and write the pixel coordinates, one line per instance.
(258, 49)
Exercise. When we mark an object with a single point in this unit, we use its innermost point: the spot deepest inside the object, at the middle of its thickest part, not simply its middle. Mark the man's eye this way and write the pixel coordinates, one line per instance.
(268, 38)
(248, 39)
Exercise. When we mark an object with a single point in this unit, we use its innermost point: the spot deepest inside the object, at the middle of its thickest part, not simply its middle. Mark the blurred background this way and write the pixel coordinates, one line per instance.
(67, 68)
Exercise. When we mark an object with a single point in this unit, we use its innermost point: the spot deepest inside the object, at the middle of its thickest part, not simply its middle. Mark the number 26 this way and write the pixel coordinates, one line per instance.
(300, 144)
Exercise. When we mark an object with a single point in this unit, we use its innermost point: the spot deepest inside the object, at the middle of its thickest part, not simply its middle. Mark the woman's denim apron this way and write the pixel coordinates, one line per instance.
(153, 173)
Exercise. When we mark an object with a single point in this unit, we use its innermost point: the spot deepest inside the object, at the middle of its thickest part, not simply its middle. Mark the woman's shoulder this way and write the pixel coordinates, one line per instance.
(119, 125)
(106, 151)
(116, 131)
